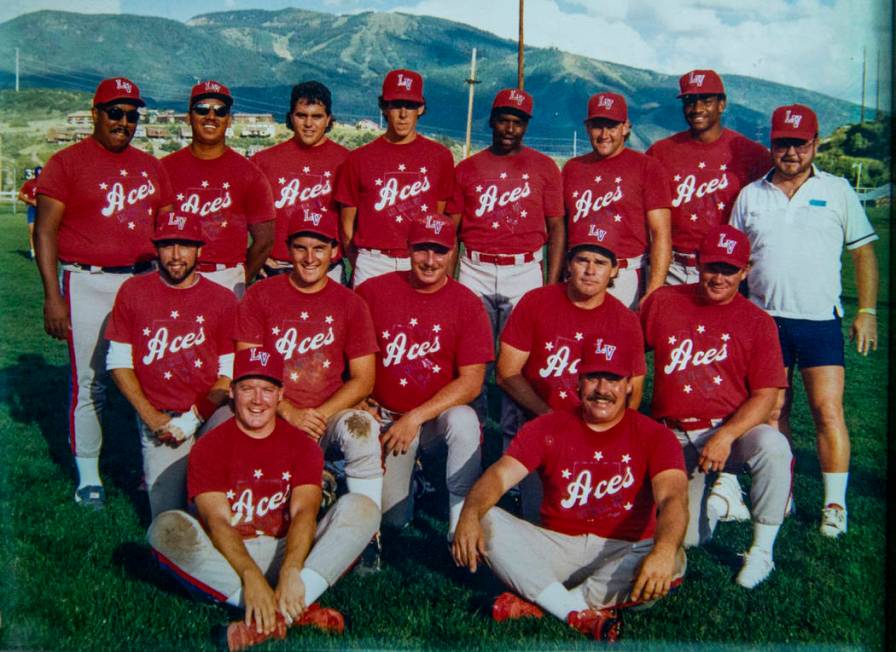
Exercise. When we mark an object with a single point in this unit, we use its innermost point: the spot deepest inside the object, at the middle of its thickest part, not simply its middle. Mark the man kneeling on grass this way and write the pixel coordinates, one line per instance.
(256, 483)
(606, 471)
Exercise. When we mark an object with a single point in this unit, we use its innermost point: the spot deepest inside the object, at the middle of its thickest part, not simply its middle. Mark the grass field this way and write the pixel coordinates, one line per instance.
(76, 580)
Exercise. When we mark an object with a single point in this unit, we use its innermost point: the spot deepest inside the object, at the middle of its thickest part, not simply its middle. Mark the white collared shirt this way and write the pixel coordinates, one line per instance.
(797, 243)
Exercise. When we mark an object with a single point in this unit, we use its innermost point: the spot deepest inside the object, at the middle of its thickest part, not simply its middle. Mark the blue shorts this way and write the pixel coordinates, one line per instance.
(32, 213)
(808, 343)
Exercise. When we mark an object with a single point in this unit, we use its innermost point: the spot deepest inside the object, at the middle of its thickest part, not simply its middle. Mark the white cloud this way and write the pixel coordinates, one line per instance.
(12, 8)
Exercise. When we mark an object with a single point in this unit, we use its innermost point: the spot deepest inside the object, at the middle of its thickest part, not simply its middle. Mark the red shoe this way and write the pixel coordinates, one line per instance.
(240, 636)
(600, 624)
(509, 606)
(324, 618)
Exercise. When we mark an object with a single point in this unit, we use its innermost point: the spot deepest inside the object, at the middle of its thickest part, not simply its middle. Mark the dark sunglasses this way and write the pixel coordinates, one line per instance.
(221, 110)
(115, 113)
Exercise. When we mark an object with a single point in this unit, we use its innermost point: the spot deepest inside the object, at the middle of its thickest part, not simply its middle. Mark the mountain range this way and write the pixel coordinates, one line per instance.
(260, 54)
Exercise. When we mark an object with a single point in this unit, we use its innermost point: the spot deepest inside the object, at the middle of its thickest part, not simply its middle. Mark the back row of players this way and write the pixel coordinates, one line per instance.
(412, 345)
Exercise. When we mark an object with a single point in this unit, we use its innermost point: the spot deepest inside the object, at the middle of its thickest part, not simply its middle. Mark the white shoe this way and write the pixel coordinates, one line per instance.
(727, 499)
(833, 521)
(758, 565)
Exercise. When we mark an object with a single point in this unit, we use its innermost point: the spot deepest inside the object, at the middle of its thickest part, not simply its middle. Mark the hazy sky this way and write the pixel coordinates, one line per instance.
(815, 44)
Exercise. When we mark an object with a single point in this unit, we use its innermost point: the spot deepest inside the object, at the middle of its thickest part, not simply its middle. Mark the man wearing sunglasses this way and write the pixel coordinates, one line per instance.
(798, 219)
(225, 190)
(96, 206)
(396, 180)
(717, 373)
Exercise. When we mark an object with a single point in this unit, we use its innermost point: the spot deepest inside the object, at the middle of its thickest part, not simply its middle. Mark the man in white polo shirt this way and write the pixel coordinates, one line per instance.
(798, 218)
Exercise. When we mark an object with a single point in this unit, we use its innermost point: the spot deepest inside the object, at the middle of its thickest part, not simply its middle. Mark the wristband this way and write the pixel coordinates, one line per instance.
(868, 311)
(205, 408)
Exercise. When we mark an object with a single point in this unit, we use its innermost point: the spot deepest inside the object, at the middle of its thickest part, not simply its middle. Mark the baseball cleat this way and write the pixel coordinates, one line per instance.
(758, 565)
(323, 618)
(509, 606)
(727, 499)
(833, 521)
(92, 496)
(240, 636)
(599, 624)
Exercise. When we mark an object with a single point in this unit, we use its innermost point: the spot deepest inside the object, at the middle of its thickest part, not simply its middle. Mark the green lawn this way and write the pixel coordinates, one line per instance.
(72, 579)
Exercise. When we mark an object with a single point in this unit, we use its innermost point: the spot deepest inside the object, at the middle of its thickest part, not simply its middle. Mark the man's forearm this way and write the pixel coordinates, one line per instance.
(755, 410)
(299, 540)
(129, 386)
(671, 523)
(556, 248)
(352, 392)
(519, 389)
(262, 244)
(660, 259)
(867, 276)
(459, 391)
(46, 253)
(230, 544)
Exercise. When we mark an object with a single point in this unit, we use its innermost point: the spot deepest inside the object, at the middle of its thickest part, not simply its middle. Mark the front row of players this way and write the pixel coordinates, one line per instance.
(312, 357)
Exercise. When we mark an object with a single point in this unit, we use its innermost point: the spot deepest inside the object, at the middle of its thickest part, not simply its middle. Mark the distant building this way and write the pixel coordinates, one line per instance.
(156, 132)
(253, 118)
(367, 124)
(257, 131)
(79, 118)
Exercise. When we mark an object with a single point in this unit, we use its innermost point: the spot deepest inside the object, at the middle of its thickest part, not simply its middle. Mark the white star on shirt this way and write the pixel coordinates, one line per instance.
(525, 177)
(230, 494)
(146, 331)
(672, 339)
(224, 224)
(423, 170)
(306, 169)
(286, 475)
(303, 315)
(225, 185)
(326, 364)
(436, 329)
(123, 172)
(204, 183)
(721, 205)
(180, 196)
(523, 213)
(402, 167)
(678, 177)
(327, 174)
(617, 218)
(478, 188)
(167, 375)
(258, 473)
(132, 226)
(436, 369)
(566, 474)
(688, 389)
(598, 179)
(386, 335)
(693, 217)
(174, 314)
(281, 180)
(403, 382)
(562, 394)
(598, 456)
(379, 182)
(725, 337)
(495, 225)
(200, 319)
(717, 380)
(144, 175)
(328, 319)
(579, 336)
(294, 376)
(503, 175)
(701, 165)
(149, 211)
(723, 167)
(618, 180)
(575, 193)
(103, 186)
(424, 208)
(628, 507)
(275, 330)
(413, 321)
(626, 458)
(197, 364)
(701, 328)
(399, 219)
(549, 346)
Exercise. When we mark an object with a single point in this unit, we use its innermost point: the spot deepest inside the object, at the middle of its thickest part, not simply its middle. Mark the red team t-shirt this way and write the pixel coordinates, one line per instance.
(176, 336)
(302, 181)
(317, 334)
(597, 482)
(392, 185)
(609, 199)
(554, 331)
(707, 358)
(228, 194)
(111, 200)
(29, 189)
(256, 475)
(423, 338)
(706, 178)
(504, 200)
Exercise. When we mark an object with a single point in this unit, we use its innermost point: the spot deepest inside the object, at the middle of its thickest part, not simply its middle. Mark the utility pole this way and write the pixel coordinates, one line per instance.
(574, 143)
(877, 88)
(17, 70)
(472, 81)
(862, 109)
(519, 56)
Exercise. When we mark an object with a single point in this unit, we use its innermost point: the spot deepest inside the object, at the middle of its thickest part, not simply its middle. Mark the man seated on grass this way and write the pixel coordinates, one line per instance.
(606, 470)
(255, 481)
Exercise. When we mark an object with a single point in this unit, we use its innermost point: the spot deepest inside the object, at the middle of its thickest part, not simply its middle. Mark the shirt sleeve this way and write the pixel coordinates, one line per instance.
(739, 211)
(666, 453)
(361, 338)
(228, 307)
(552, 195)
(205, 473)
(766, 364)
(348, 182)
(166, 190)
(54, 180)
(307, 462)
(259, 199)
(455, 205)
(527, 447)
(517, 332)
(121, 320)
(657, 193)
(639, 363)
(859, 231)
(475, 343)
(250, 317)
(446, 177)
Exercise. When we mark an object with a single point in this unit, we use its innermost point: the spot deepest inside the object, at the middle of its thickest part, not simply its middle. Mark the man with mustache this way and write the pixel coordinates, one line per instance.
(227, 192)
(798, 219)
(171, 354)
(97, 201)
(607, 471)
(717, 372)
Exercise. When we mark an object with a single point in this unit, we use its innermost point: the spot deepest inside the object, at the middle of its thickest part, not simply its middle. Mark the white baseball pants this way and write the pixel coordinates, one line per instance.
(232, 278)
(372, 262)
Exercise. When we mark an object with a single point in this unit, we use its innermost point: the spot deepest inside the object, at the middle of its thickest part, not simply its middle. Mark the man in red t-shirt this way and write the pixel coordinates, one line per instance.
(255, 483)
(171, 354)
(28, 194)
(302, 171)
(228, 192)
(718, 369)
(97, 201)
(708, 165)
(539, 359)
(390, 183)
(606, 471)
(324, 334)
(434, 342)
(621, 196)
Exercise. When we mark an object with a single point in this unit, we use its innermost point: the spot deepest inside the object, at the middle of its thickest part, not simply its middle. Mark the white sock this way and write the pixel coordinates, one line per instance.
(315, 585)
(455, 505)
(370, 487)
(835, 488)
(764, 536)
(88, 471)
(559, 601)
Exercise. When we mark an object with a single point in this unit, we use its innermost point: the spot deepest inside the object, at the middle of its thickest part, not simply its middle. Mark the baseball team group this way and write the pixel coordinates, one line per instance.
(262, 315)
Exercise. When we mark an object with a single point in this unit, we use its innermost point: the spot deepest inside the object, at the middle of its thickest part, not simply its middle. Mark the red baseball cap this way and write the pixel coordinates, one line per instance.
(594, 238)
(610, 106)
(610, 353)
(794, 121)
(259, 363)
(700, 82)
(178, 226)
(725, 244)
(513, 98)
(434, 229)
(404, 85)
(321, 223)
(211, 90)
(115, 90)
